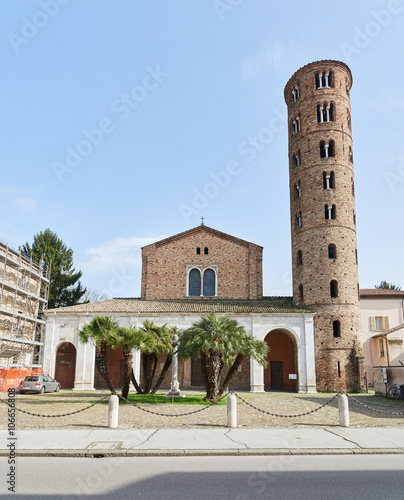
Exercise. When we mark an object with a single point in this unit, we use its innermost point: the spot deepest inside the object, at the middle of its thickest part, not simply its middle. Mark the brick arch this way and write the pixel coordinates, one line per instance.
(65, 370)
(282, 361)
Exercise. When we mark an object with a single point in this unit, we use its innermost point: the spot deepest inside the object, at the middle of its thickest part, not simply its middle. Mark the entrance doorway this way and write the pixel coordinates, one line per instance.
(282, 368)
(65, 365)
(196, 374)
(277, 375)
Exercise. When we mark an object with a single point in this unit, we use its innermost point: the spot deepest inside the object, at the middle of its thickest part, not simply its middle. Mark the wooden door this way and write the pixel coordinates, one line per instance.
(277, 375)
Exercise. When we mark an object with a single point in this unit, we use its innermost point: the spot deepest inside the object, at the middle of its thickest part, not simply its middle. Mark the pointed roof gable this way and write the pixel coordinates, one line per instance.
(200, 229)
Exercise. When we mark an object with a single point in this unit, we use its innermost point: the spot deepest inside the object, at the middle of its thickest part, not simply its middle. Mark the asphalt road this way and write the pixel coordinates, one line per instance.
(239, 478)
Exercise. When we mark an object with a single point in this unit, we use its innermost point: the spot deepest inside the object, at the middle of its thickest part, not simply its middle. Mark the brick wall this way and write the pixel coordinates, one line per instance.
(238, 263)
(338, 359)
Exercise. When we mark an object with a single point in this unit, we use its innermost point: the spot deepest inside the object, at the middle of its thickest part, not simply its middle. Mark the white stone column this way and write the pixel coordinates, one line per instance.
(311, 386)
(85, 365)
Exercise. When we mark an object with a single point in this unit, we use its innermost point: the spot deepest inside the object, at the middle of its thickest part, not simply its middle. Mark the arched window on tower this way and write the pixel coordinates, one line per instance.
(206, 251)
(194, 283)
(299, 219)
(296, 126)
(332, 251)
(198, 250)
(334, 289)
(325, 79)
(299, 258)
(209, 283)
(298, 191)
(325, 112)
(327, 149)
(328, 180)
(296, 93)
(296, 159)
(336, 328)
(330, 212)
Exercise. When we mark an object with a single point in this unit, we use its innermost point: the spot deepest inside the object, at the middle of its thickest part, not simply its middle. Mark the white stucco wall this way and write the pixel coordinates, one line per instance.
(63, 328)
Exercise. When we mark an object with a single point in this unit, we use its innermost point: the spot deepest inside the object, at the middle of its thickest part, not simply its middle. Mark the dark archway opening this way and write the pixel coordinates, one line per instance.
(65, 369)
(281, 372)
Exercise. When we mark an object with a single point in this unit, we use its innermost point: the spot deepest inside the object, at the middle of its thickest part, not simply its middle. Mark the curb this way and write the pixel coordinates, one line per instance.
(203, 453)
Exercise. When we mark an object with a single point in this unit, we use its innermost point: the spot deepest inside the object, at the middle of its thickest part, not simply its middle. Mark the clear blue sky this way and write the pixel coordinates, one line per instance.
(170, 94)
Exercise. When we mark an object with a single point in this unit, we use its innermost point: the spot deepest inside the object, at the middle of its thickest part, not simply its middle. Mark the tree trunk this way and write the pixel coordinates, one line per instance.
(203, 370)
(230, 374)
(127, 373)
(163, 373)
(134, 382)
(214, 365)
(149, 369)
(101, 362)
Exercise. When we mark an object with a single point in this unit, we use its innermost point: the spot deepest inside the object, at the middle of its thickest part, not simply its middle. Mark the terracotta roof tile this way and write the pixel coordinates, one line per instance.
(386, 293)
(268, 305)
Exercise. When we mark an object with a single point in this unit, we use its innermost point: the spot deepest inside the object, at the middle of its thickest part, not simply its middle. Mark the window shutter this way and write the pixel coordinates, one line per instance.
(385, 323)
(372, 323)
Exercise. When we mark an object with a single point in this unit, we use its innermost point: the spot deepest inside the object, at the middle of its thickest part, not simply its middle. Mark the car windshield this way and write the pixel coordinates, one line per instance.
(31, 379)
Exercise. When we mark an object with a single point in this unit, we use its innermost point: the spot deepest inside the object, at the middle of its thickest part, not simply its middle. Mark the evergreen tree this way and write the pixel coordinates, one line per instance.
(387, 286)
(65, 288)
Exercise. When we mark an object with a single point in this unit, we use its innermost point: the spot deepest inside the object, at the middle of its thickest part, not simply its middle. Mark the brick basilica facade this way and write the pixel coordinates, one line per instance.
(315, 337)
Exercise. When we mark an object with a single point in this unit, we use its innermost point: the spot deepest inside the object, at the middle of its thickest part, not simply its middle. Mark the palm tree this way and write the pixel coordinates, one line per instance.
(160, 343)
(129, 338)
(100, 330)
(218, 340)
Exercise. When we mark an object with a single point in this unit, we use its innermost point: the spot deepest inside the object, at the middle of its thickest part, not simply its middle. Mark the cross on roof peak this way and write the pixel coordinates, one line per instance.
(202, 219)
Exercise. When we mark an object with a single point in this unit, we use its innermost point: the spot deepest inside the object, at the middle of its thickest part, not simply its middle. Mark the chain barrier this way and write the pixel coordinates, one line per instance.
(173, 414)
(55, 416)
(285, 416)
(374, 409)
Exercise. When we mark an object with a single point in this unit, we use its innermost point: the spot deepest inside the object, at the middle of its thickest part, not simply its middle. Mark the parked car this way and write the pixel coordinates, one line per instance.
(38, 383)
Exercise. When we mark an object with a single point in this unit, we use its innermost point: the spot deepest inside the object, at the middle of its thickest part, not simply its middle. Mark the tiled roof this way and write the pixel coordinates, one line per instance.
(384, 293)
(269, 305)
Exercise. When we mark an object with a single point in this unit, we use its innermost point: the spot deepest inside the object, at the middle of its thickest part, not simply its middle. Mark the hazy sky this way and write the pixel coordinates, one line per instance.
(126, 121)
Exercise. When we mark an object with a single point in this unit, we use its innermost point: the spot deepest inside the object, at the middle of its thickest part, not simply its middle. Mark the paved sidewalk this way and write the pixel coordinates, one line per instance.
(212, 441)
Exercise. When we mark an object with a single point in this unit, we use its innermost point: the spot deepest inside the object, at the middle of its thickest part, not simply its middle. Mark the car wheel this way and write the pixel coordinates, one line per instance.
(57, 388)
(42, 390)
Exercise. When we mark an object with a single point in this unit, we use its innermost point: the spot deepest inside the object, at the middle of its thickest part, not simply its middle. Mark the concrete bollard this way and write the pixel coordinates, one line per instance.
(231, 411)
(113, 408)
(343, 409)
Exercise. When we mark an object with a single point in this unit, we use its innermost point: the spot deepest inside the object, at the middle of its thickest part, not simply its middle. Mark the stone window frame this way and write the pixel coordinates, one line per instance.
(296, 93)
(201, 268)
(336, 328)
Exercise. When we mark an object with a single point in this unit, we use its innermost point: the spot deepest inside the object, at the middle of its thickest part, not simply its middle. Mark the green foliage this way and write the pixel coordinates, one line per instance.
(219, 340)
(160, 399)
(387, 286)
(65, 288)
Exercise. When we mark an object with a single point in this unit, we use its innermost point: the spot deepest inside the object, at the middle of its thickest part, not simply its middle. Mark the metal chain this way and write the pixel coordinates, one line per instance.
(285, 416)
(172, 414)
(375, 409)
(54, 416)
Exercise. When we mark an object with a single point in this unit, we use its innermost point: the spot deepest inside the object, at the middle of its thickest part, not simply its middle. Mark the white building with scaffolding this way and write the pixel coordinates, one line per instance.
(23, 306)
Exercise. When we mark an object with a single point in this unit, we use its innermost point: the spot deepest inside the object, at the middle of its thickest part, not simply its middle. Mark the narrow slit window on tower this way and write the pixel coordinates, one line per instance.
(198, 250)
(301, 292)
(336, 328)
(350, 154)
(299, 258)
(206, 251)
(332, 251)
(299, 219)
(348, 119)
(334, 289)
(339, 369)
(354, 217)
(353, 187)
(356, 255)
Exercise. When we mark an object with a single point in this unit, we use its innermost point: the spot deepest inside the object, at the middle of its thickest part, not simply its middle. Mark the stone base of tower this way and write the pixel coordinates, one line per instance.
(339, 370)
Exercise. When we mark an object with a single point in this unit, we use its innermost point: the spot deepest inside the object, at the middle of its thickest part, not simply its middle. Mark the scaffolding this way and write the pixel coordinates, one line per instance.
(23, 307)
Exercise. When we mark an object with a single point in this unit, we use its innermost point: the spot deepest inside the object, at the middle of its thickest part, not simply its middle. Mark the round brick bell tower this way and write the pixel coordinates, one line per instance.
(323, 225)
